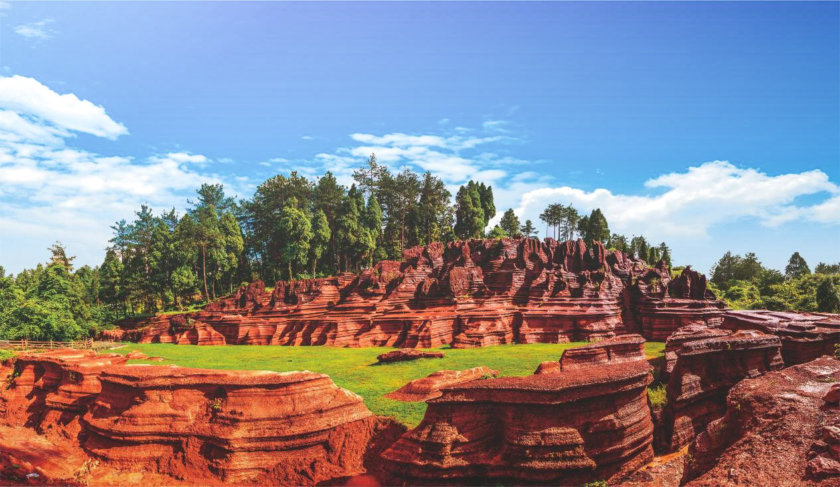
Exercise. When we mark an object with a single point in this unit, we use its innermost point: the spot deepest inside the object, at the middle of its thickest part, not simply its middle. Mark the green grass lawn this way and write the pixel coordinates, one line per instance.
(354, 369)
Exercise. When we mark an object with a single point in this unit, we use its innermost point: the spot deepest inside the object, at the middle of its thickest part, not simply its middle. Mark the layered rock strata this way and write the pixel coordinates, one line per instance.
(690, 333)
(805, 336)
(429, 387)
(568, 427)
(291, 428)
(465, 294)
(777, 430)
(661, 305)
(704, 372)
(207, 426)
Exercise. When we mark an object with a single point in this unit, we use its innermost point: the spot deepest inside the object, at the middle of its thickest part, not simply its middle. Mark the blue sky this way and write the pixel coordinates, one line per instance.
(712, 126)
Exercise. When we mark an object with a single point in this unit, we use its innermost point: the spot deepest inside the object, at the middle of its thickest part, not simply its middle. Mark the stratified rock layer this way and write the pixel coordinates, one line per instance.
(704, 372)
(579, 424)
(690, 333)
(805, 336)
(429, 387)
(239, 426)
(777, 430)
(205, 426)
(464, 294)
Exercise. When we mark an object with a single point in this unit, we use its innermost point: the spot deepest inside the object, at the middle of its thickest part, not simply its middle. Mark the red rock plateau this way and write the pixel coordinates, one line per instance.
(429, 387)
(587, 421)
(777, 430)
(805, 336)
(74, 416)
(703, 374)
(468, 294)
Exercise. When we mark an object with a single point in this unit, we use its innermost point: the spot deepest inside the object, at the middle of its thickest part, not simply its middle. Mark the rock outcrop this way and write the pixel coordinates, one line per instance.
(464, 294)
(690, 333)
(578, 424)
(777, 430)
(405, 354)
(661, 306)
(703, 374)
(96, 412)
(805, 336)
(429, 387)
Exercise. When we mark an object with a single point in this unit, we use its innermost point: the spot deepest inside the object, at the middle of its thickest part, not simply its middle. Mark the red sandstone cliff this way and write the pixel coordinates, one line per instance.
(467, 294)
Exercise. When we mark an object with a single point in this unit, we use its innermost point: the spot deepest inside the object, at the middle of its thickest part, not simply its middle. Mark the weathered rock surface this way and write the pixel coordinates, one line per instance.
(564, 428)
(405, 354)
(805, 336)
(777, 430)
(290, 428)
(690, 333)
(703, 374)
(207, 426)
(429, 387)
(465, 294)
(661, 306)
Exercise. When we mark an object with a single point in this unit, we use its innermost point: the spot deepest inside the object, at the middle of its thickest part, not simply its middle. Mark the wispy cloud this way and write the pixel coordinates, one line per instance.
(50, 190)
(700, 198)
(36, 30)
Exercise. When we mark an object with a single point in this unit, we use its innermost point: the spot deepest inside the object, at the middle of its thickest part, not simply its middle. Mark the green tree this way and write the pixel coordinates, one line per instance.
(797, 267)
(665, 254)
(469, 216)
(828, 296)
(823, 268)
(510, 223)
(497, 232)
(528, 229)
(298, 233)
(321, 237)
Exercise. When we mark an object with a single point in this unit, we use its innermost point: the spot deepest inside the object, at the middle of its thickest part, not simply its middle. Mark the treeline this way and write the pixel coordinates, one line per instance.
(292, 227)
(744, 283)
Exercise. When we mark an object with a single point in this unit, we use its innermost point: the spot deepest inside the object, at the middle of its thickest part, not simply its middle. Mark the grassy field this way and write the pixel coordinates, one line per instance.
(355, 369)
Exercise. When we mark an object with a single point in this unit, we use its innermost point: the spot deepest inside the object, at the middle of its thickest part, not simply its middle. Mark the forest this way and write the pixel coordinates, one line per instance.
(294, 227)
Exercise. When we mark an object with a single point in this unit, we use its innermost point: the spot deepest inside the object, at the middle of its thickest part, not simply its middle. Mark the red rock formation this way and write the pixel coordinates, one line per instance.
(429, 387)
(404, 354)
(291, 428)
(569, 427)
(777, 430)
(468, 294)
(205, 426)
(805, 336)
(690, 333)
(662, 306)
(200, 334)
(704, 372)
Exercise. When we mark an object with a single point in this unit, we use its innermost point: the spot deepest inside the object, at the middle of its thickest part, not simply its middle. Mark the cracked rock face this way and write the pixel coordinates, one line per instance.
(782, 428)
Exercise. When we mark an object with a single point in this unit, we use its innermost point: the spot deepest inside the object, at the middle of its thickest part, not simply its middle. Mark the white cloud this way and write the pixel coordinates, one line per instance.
(35, 30)
(50, 191)
(30, 99)
(695, 200)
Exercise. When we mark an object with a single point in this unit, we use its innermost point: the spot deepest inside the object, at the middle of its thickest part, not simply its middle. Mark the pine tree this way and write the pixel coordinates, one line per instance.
(468, 213)
(510, 223)
(528, 229)
(665, 254)
(797, 267)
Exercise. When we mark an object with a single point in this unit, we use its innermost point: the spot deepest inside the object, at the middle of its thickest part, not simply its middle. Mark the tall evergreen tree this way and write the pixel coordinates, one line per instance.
(528, 229)
(510, 223)
(298, 233)
(796, 267)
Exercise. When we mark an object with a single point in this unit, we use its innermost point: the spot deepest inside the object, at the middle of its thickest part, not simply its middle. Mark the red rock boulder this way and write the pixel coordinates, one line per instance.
(429, 387)
(404, 354)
